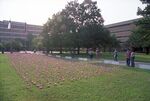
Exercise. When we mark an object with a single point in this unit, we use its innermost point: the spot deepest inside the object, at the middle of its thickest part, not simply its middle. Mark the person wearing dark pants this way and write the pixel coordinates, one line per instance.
(115, 54)
(128, 53)
(132, 59)
(128, 61)
(90, 53)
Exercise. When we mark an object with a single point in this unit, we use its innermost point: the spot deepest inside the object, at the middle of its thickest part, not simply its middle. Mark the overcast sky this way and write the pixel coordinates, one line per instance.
(38, 11)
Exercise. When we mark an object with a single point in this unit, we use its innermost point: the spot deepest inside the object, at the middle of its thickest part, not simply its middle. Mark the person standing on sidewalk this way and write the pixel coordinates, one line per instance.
(132, 57)
(128, 53)
(115, 55)
(91, 53)
(97, 53)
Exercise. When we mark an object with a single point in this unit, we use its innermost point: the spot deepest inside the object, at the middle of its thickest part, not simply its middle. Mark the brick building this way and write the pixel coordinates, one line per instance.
(17, 30)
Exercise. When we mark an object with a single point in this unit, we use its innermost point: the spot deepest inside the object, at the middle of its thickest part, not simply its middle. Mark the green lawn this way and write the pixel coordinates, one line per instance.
(122, 84)
(12, 87)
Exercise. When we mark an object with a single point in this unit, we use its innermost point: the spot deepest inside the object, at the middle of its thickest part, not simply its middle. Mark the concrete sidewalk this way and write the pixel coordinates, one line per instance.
(142, 65)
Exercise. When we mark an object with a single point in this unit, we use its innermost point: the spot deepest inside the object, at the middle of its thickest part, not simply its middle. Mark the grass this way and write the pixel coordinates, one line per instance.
(12, 87)
(121, 84)
(139, 57)
(43, 71)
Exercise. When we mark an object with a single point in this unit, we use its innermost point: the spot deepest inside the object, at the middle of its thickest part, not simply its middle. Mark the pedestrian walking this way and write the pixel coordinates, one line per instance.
(90, 53)
(115, 55)
(97, 53)
(128, 53)
(34, 50)
(132, 57)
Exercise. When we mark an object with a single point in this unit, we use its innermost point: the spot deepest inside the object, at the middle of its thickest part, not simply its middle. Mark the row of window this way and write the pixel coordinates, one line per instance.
(12, 34)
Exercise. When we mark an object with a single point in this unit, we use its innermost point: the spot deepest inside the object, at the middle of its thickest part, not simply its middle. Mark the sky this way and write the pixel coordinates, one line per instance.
(38, 11)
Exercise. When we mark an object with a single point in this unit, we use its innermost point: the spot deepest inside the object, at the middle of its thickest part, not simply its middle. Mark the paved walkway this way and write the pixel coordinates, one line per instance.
(142, 65)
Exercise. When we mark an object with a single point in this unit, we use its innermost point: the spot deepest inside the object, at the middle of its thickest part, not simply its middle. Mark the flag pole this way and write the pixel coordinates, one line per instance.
(25, 27)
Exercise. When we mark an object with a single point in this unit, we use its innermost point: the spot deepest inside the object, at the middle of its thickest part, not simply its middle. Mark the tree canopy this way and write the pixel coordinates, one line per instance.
(76, 26)
(141, 36)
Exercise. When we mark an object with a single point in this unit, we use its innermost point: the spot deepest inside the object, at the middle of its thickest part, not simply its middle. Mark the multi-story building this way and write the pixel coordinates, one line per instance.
(17, 30)
(122, 30)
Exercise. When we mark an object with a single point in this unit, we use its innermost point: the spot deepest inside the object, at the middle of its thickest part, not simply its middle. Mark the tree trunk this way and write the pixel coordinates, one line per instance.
(87, 51)
(147, 50)
(78, 51)
(60, 49)
(2, 51)
(104, 49)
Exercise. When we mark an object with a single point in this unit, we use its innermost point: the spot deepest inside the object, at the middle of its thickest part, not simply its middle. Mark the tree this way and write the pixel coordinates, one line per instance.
(46, 37)
(91, 21)
(16, 45)
(141, 36)
(114, 43)
(72, 16)
(13, 45)
(53, 33)
(37, 43)
(1, 46)
(57, 32)
(29, 45)
(84, 17)
(76, 26)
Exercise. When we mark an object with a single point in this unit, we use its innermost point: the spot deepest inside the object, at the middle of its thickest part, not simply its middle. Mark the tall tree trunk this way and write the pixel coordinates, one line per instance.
(147, 50)
(104, 49)
(60, 50)
(2, 50)
(78, 51)
(87, 51)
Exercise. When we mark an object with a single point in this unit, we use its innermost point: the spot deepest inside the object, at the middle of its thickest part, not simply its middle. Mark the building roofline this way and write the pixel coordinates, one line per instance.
(20, 23)
(121, 23)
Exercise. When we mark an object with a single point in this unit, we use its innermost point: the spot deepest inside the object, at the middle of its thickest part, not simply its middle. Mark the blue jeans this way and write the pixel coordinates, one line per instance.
(128, 61)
